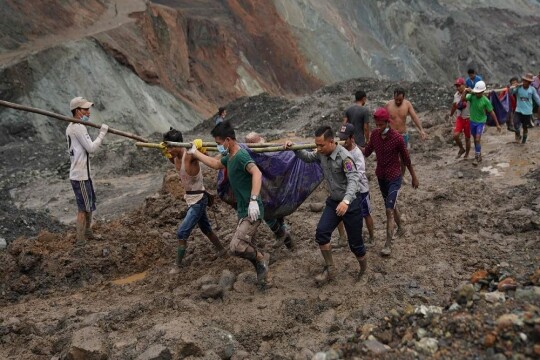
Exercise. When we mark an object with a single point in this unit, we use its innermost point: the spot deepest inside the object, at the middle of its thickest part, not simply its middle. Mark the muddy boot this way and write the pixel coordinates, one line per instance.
(475, 161)
(387, 250)
(81, 237)
(400, 232)
(218, 248)
(327, 274)
(281, 235)
(289, 243)
(363, 266)
(261, 267)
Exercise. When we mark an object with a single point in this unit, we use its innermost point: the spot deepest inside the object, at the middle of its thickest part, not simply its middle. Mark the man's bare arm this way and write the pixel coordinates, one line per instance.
(416, 121)
(256, 178)
(208, 161)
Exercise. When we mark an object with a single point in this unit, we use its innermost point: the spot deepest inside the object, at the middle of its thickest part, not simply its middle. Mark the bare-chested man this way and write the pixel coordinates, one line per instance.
(399, 109)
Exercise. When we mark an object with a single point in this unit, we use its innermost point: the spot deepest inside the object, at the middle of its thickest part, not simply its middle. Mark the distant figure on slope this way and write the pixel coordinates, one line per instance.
(463, 124)
(220, 117)
(358, 116)
(80, 145)
(196, 198)
(391, 152)
(472, 78)
(525, 94)
(479, 106)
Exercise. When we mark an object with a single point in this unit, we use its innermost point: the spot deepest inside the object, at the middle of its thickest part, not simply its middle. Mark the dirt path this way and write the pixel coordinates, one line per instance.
(461, 219)
(117, 14)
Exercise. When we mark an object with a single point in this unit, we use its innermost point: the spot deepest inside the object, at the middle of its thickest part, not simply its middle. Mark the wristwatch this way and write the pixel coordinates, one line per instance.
(347, 202)
(253, 197)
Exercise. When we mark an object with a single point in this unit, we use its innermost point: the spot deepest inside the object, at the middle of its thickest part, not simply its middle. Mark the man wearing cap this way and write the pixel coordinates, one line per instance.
(525, 94)
(343, 204)
(80, 145)
(479, 106)
(347, 134)
(462, 121)
(391, 151)
(358, 116)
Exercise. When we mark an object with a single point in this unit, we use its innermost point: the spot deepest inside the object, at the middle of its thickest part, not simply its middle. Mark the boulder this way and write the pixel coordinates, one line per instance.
(156, 352)
(376, 347)
(427, 346)
(211, 291)
(88, 343)
(227, 279)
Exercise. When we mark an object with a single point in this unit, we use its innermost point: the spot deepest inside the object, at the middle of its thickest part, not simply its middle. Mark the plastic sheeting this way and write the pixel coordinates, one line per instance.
(287, 182)
(501, 108)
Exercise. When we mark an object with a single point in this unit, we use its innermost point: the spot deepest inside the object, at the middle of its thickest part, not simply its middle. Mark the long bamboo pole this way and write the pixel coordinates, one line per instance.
(69, 119)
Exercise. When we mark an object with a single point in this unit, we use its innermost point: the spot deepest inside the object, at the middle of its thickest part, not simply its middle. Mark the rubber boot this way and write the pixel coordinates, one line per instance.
(81, 237)
(218, 248)
(88, 229)
(363, 266)
(328, 271)
(261, 267)
(180, 253)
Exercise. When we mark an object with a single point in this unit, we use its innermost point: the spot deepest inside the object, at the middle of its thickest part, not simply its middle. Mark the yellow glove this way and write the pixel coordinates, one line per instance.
(198, 144)
(165, 151)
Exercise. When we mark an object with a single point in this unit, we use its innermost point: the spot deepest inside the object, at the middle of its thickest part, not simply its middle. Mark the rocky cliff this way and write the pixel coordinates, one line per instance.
(149, 65)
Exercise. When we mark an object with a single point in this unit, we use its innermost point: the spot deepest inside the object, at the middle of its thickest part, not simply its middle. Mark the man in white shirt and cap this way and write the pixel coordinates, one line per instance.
(80, 145)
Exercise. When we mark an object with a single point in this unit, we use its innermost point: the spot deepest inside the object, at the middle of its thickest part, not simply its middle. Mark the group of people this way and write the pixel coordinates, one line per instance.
(348, 204)
(472, 108)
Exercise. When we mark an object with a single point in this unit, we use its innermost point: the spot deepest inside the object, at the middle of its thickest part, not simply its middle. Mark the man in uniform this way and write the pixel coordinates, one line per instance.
(79, 146)
(343, 204)
(196, 198)
(246, 180)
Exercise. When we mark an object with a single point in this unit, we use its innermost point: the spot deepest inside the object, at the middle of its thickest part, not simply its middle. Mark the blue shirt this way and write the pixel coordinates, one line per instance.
(470, 83)
(524, 99)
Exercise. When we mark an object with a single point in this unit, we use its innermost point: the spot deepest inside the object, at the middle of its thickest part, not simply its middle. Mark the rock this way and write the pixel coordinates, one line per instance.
(332, 355)
(460, 175)
(375, 347)
(495, 297)
(366, 330)
(88, 344)
(156, 352)
(507, 284)
(479, 275)
(489, 340)
(508, 320)
(227, 279)
(327, 321)
(531, 293)
(454, 307)
(211, 291)
(241, 355)
(3, 243)
(464, 294)
(316, 207)
(427, 346)
(428, 310)
(205, 280)
(319, 356)
(245, 282)
(421, 333)
(304, 354)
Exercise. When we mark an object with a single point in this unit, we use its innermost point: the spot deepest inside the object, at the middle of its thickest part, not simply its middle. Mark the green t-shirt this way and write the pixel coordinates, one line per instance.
(240, 181)
(478, 108)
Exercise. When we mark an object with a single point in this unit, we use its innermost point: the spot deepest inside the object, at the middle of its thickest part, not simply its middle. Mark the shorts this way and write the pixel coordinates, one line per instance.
(463, 125)
(477, 129)
(406, 138)
(242, 239)
(365, 204)
(390, 191)
(520, 119)
(84, 194)
(196, 215)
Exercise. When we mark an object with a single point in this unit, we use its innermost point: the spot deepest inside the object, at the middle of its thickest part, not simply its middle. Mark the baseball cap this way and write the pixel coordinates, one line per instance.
(381, 114)
(459, 81)
(345, 131)
(80, 102)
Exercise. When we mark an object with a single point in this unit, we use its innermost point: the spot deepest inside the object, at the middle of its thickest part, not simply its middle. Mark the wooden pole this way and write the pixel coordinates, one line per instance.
(69, 119)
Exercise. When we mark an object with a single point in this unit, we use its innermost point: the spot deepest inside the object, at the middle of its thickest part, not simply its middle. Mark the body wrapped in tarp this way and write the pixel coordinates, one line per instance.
(287, 182)
(501, 108)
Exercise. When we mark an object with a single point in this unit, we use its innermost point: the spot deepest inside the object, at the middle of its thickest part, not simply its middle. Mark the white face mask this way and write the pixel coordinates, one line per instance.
(385, 131)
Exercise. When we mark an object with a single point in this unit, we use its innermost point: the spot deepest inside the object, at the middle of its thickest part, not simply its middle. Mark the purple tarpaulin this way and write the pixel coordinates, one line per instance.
(287, 182)
(501, 107)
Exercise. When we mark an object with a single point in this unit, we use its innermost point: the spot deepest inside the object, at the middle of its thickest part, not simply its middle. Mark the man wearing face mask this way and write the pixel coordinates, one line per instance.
(245, 179)
(391, 152)
(79, 146)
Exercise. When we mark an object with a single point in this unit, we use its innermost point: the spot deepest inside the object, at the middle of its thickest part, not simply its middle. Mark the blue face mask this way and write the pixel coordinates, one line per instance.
(222, 150)
(85, 118)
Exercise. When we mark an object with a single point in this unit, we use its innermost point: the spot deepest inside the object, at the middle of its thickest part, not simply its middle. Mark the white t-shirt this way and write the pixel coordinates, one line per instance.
(79, 146)
(465, 112)
(360, 163)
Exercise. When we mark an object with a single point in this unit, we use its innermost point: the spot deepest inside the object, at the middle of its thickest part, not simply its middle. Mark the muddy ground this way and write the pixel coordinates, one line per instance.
(115, 298)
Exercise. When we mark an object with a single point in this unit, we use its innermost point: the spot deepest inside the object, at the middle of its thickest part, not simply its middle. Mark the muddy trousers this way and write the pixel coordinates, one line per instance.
(352, 220)
(242, 244)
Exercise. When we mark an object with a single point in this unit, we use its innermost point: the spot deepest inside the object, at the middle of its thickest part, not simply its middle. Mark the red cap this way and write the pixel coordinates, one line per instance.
(381, 114)
(459, 81)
